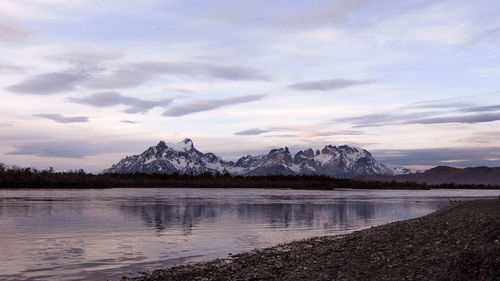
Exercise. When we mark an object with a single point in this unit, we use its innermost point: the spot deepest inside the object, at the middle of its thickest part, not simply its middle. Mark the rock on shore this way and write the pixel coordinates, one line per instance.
(458, 242)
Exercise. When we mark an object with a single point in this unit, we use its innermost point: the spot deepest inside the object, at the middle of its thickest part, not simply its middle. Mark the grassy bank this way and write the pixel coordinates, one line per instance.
(459, 242)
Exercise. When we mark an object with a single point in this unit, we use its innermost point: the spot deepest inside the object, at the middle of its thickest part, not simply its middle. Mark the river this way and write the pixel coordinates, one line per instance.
(103, 234)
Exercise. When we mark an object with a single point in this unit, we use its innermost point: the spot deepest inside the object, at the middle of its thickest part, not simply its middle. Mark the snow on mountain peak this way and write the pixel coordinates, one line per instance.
(184, 145)
(188, 141)
(398, 170)
(182, 157)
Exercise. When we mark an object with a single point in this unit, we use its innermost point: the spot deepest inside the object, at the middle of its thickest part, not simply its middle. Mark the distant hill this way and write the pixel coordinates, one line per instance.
(445, 174)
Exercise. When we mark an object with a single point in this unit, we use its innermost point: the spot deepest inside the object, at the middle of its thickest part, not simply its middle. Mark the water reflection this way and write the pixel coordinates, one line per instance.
(164, 216)
(98, 234)
(346, 213)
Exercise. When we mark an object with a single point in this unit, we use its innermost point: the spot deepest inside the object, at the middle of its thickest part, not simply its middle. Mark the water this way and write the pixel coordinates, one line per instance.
(103, 234)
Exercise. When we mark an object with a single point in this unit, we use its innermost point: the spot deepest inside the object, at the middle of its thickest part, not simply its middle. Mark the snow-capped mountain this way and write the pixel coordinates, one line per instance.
(396, 170)
(336, 161)
(276, 162)
(171, 158)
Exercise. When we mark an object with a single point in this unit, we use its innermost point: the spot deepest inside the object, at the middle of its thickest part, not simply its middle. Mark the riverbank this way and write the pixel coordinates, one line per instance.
(458, 242)
(16, 178)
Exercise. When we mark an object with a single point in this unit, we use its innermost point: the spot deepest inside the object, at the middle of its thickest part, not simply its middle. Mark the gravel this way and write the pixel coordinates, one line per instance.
(458, 242)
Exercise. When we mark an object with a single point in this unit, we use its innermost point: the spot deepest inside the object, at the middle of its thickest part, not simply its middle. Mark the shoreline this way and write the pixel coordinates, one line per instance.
(34, 179)
(458, 242)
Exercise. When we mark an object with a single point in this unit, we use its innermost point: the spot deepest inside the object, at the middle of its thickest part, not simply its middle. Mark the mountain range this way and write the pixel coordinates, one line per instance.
(336, 161)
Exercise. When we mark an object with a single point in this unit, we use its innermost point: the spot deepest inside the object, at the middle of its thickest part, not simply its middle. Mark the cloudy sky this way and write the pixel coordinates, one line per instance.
(85, 82)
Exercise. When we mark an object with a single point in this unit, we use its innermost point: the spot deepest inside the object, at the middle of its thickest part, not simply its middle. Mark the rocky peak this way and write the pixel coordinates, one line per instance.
(280, 154)
(309, 153)
(161, 145)
(328, 150)
(344, 149)
(279, 150)
(188, 143)
(303, 155)
(212, 157)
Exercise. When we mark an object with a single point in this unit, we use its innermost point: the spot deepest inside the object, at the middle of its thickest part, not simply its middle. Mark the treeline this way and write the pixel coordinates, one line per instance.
(13, 177)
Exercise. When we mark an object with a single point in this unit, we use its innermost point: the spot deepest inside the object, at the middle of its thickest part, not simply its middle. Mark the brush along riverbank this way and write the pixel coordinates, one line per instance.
(458, 242)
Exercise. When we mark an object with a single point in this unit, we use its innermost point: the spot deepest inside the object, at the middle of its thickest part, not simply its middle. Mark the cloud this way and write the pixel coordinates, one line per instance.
(7, 68)
(470, 119)
(334, 13)
(61, 119)
(128, 122)
(464, 157)
(282, 136)
(482, 138)
(13, 33)
(60, 149)
(76, 148)
(437, 104)
(268, 14)
(48, 83)
(86, 57)
(206, 105)
(251, 132)
(6, 124)
(89, 74)
(336, 133)
(440, 111)
(380, 119)
(135, 74)
(231, 73)
(325, 85)
(299, 132)
(178, 90)
(482, 108)
(107, 99)
(119, 79)
(434, 117)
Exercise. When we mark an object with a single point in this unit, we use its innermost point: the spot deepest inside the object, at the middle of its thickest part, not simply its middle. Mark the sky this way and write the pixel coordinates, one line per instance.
(85, 83)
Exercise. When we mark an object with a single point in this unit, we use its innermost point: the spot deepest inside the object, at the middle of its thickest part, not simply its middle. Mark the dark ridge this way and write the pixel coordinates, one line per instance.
(448, 175)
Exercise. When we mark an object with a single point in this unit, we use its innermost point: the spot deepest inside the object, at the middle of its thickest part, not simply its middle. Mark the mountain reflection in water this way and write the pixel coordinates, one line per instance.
(275, 215)
(102, 234)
